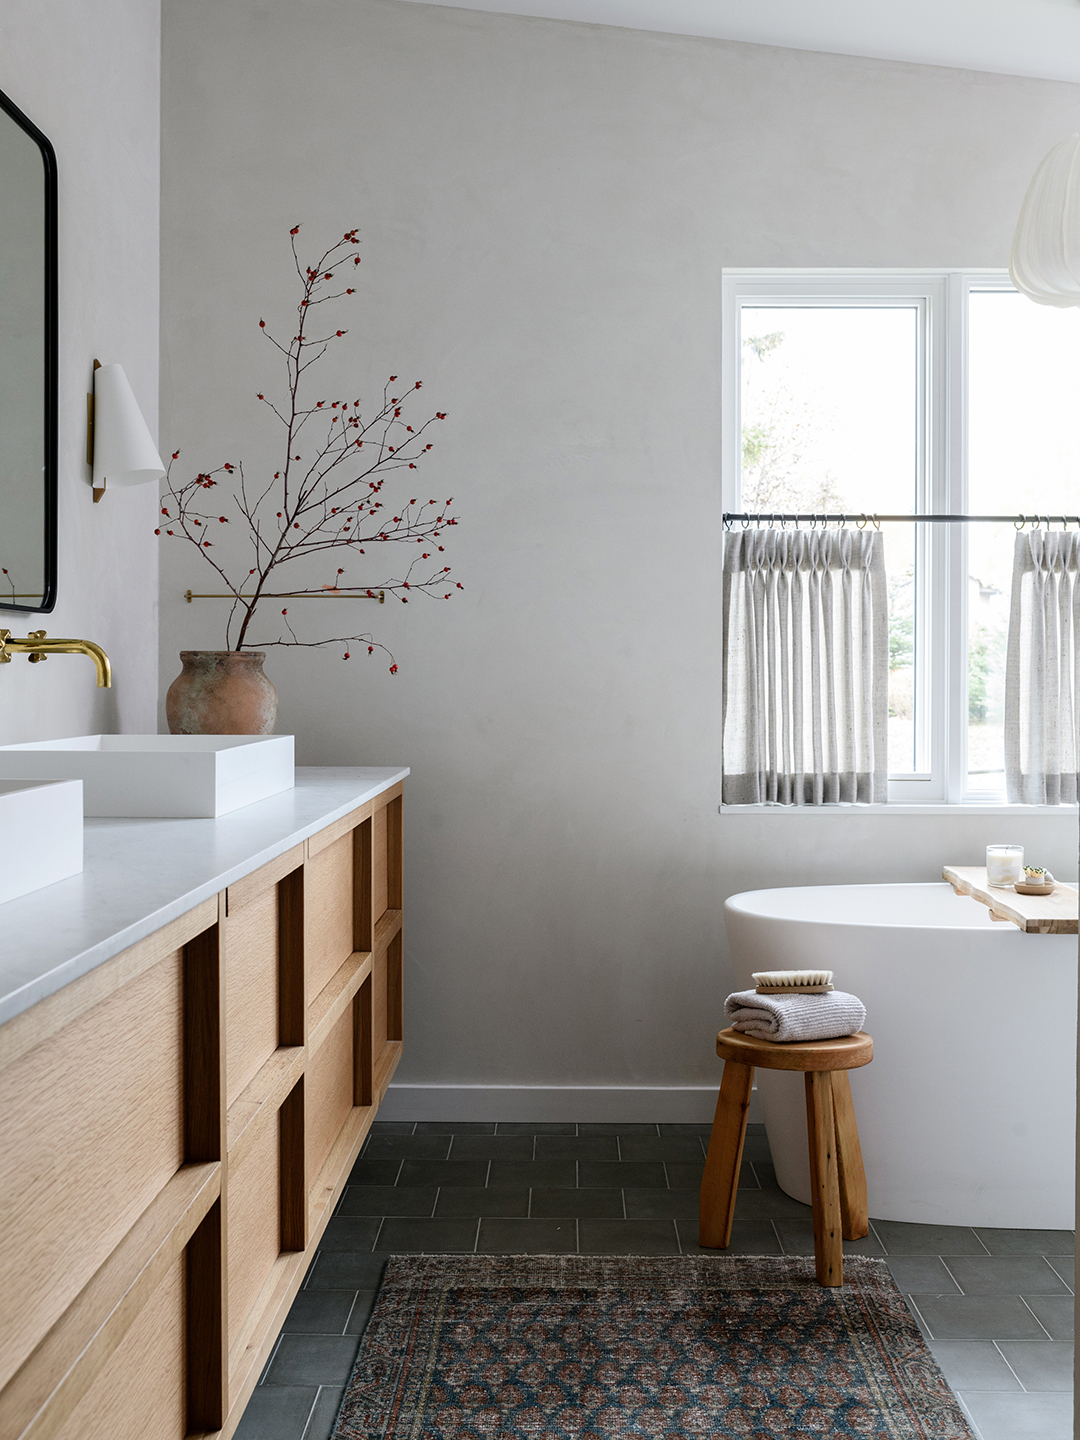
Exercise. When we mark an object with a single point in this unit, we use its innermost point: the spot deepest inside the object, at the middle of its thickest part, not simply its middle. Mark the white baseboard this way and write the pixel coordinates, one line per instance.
(539, 1103)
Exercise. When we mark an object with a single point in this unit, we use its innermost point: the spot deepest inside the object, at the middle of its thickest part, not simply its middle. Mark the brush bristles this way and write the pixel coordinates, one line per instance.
(772, 982)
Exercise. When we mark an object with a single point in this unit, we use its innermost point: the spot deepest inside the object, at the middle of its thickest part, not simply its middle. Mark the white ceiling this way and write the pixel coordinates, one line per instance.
(1012, 37)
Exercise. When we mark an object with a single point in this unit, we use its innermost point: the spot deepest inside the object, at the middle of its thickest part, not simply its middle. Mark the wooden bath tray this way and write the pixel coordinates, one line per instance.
(1054, 914)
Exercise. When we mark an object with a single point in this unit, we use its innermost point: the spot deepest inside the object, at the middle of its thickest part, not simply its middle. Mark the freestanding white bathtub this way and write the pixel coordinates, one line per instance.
(967, 1112)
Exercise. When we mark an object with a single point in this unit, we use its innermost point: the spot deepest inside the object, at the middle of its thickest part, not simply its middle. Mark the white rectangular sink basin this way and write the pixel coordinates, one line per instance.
(184, 777)
(41, 834)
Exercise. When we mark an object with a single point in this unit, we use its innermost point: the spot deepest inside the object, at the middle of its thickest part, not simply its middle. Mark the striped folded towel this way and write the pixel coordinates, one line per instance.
(795, 1017)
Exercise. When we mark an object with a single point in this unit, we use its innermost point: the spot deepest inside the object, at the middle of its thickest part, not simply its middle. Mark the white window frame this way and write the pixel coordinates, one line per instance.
(940, 298)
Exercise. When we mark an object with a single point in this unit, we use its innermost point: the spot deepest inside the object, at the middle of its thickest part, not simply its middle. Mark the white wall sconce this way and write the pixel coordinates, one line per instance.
(119, 446)
(1045, 259)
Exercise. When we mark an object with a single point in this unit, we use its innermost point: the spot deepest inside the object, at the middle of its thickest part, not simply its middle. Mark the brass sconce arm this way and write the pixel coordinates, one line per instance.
(38, 648)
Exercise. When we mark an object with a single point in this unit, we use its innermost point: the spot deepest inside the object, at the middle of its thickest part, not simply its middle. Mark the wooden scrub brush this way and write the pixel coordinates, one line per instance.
(793, 982)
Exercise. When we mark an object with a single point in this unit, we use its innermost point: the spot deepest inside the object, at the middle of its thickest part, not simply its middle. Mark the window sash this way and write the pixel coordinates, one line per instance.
(941, 639)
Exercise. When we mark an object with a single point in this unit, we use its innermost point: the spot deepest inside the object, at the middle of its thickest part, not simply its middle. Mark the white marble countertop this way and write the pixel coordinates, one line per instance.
(139, 875)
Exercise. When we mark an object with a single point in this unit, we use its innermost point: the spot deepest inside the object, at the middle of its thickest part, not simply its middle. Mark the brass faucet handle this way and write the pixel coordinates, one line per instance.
(36, 656)
(36, 635)
(5, 658)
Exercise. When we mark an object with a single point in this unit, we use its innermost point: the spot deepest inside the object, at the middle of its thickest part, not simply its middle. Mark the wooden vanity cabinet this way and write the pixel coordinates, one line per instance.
(175, 1130)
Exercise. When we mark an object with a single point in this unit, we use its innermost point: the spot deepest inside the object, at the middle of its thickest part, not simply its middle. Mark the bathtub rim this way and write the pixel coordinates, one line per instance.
(981, 924)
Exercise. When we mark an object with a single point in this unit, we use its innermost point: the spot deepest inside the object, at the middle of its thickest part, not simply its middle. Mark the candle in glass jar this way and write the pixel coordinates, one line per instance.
(1004, 864)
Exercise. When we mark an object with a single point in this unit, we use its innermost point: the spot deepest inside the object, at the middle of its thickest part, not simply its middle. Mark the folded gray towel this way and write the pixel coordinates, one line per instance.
(795, 1017)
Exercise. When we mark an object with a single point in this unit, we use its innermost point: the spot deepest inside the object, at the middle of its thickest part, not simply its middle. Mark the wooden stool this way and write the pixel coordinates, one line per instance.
(837, 1178)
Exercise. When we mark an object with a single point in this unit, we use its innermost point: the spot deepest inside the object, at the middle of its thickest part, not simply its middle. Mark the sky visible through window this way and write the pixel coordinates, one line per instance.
(830, 422)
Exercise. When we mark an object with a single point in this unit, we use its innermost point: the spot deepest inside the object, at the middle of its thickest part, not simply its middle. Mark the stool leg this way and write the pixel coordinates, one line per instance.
(824, 1179)
(720, 1182)
(854, 1212)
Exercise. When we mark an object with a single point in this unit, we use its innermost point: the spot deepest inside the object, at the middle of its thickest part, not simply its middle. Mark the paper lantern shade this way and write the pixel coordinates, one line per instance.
(124, 452)
(1045, 259)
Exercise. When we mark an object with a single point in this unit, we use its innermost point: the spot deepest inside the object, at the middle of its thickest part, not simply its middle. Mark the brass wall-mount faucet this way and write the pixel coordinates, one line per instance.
(38, 647)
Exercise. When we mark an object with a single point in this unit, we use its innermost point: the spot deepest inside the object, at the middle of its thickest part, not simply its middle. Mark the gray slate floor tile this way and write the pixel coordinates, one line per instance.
(321, 1424)
(393, 1127)
(455, 1127)
(755, 1146)
(748, 1237)
(400, 1236)
(426, 1147)
(577, 1202)
(627, 1237)
(703, 1131)
(922, 1274)
(599, 1128)
(549, 1127)
(768, 1205)
(797, 1238)
(277, 1413)
(684, 1148)
(350, 1232)
(375, 1172)
(978, 1317)
(1027, 1242)
(312, 1360)
(1005, 1275)
(492, 1147)
(345, 1270)
(527, 1237)
(1055, 1313)
(661, 1204)
(1065, 1266)
(580, 1147)
(531, 1173)
(361, 1312)
(900, 1238)
(473, 1201)
(1020, 1417)
(388, 1200)
(319, 1312)
(765, 1172)
(975, 1364)
(688, 1177)
(622, 1175)
(1040, 1365)
(444, 1172)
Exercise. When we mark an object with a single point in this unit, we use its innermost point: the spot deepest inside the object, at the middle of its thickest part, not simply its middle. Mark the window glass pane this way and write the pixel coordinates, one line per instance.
(830, 422)
(1023, 456)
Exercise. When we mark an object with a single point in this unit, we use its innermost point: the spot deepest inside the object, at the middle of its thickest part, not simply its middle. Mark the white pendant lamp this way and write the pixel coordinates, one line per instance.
(124, 451)
(1045, 258)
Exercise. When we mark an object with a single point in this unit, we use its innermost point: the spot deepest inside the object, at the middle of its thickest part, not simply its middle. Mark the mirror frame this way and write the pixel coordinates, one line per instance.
(50, 378)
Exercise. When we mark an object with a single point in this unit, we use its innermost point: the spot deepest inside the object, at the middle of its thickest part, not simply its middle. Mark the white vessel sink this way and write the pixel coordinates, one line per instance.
(41, 834)
(183, 777)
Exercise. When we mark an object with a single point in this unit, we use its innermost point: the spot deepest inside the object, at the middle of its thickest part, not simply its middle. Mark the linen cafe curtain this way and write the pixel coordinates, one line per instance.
(806, 667)
(1042, 671)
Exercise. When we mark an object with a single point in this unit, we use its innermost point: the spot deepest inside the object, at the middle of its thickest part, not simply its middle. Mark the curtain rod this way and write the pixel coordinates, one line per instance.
(1019, 521)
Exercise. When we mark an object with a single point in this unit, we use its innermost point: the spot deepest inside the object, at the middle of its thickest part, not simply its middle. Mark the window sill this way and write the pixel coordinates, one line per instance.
(990, 809)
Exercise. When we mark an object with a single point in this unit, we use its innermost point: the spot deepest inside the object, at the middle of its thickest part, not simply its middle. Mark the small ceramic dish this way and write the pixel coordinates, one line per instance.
(1023, 888)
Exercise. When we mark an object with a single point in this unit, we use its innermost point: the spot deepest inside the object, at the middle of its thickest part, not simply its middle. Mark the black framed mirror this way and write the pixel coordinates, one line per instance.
(28, 364)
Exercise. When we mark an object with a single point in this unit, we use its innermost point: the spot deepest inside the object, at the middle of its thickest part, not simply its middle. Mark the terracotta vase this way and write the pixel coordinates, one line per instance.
(221, 692)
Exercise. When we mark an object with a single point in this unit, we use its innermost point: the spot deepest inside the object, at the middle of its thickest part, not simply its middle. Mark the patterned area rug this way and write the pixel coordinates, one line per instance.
(576, 1347)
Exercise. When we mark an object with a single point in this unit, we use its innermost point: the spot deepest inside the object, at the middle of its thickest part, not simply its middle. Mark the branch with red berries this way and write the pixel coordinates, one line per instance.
(334, 490)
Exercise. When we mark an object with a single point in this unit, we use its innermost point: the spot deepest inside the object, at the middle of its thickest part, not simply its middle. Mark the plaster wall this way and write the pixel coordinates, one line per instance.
(546, 209)
(89, 77)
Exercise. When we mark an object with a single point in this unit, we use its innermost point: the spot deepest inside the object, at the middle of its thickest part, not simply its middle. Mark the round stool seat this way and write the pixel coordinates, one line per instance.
(849, 1052)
